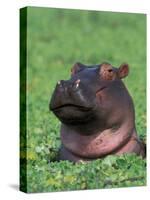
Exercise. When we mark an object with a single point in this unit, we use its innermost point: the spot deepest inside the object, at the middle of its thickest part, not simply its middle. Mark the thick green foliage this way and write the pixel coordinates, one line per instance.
(56, 40)
(113, 171)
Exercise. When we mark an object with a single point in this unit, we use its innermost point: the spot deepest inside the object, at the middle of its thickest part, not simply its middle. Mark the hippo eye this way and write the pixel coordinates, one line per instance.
(110, 70)
(107, 72)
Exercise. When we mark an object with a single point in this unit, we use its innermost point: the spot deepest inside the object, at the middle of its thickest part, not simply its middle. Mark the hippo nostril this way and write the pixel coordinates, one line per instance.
(60, 86)
(63, 86)
(58, 83)
(76, 84)
(61, 83)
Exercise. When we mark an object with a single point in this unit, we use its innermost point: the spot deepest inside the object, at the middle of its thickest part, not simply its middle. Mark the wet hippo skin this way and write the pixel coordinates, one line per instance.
(96, 113)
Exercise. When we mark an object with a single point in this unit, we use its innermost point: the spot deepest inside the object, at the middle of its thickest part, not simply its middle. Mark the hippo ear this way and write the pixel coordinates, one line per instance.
(123, 70)
(77, 67)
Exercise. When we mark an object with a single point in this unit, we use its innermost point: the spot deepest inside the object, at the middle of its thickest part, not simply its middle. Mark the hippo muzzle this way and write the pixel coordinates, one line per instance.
(71, 102)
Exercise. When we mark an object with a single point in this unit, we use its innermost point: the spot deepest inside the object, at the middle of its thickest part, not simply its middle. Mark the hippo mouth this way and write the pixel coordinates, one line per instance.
(73, 114)
(71, 106)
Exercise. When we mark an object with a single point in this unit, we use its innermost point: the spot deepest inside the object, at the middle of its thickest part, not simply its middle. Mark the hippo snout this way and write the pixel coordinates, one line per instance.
(69, 93)
(70, 101)
(65, 93)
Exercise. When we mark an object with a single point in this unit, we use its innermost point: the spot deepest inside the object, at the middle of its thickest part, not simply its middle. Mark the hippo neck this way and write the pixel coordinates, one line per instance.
(98, 144)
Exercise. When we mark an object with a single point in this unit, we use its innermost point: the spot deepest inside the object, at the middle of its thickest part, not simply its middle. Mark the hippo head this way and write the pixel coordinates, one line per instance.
(93, 99)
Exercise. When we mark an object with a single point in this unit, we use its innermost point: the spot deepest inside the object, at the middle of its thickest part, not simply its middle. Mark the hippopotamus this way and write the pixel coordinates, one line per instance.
(96, 112)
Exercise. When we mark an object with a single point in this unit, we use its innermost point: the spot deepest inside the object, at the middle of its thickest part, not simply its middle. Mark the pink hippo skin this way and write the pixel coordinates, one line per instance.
(97, 114)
